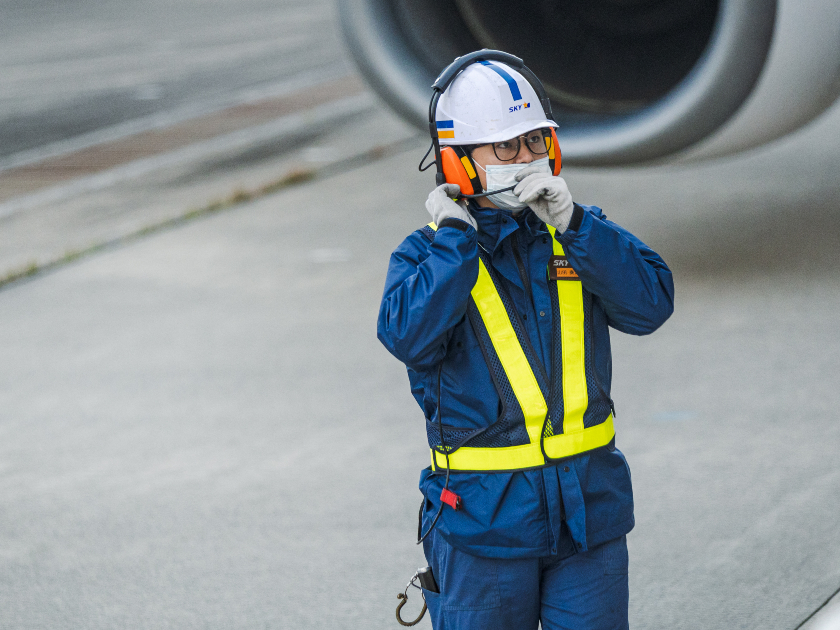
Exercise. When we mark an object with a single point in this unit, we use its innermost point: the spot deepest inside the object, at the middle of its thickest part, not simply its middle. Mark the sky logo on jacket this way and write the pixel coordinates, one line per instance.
(516, 108)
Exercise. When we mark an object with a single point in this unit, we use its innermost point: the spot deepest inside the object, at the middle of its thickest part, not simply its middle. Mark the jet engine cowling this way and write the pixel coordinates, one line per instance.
(630, 80)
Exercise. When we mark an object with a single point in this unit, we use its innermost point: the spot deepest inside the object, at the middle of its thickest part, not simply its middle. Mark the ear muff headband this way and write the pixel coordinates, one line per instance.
(450, 166)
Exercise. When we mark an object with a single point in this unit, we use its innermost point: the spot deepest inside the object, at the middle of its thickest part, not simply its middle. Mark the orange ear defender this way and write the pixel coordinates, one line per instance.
(555, 159)
(458, 169)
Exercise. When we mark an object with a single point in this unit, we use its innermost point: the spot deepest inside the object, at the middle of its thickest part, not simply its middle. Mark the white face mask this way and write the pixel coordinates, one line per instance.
(502, 176)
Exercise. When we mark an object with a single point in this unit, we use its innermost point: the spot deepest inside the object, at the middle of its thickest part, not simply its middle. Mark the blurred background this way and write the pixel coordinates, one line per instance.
(198, 427)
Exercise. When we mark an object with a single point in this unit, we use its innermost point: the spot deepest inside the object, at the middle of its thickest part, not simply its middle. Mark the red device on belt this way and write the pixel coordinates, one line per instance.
(451, 499)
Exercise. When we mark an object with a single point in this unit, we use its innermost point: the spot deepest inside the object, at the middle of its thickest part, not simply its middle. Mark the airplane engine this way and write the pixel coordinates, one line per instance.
(630, 80)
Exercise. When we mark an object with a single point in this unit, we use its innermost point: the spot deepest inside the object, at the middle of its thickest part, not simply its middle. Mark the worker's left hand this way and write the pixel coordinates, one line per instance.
(546, 194)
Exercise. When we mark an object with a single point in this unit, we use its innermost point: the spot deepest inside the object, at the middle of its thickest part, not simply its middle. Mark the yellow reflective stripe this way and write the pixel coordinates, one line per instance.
(575, 438)
(433, 225)
(468, 167)
(503, 458)
(575, 397)
(512, 357)
(527, 455)
(568, 444)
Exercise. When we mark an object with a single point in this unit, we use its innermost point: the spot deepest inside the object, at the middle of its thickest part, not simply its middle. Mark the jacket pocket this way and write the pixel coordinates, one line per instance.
(467, 582)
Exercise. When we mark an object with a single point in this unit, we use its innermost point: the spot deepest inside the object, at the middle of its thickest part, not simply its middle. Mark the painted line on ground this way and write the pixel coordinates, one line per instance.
(161, 120)
(826, 617)
(287, 126)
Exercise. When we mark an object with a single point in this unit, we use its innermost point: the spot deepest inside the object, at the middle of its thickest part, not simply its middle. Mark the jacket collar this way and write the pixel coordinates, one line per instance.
(496, 224)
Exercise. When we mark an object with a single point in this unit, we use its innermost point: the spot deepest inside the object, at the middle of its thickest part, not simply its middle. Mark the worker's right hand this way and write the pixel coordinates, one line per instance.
(441, 205)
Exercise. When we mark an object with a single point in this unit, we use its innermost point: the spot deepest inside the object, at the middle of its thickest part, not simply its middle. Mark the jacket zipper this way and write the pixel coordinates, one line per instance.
(523, 275)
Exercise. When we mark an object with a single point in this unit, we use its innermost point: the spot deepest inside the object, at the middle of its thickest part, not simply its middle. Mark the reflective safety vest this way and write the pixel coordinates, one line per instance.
(545, 417)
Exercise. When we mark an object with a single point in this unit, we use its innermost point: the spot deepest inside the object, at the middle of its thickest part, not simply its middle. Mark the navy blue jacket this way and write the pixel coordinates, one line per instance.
(422, 322)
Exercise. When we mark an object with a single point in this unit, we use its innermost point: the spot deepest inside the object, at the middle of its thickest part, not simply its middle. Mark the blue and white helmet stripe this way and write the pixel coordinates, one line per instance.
(514, 89)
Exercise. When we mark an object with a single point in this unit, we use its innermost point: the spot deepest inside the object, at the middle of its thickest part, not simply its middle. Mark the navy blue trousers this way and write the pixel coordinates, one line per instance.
(585, 591)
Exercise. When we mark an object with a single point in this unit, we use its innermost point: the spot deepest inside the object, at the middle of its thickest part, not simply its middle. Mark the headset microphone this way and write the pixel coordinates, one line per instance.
(485, 194)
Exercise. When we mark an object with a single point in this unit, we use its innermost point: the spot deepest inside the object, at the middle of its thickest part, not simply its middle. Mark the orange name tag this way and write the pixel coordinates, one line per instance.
(560, 269)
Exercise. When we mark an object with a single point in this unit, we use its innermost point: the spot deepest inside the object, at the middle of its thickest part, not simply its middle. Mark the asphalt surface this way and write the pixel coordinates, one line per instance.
(75, 68)
(201, 430)
(198, 429)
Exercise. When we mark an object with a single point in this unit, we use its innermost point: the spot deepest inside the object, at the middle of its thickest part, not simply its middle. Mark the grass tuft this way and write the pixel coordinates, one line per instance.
(293, 177)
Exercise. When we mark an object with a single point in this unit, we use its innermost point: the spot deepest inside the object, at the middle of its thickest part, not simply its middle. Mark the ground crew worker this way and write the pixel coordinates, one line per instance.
(500, 310)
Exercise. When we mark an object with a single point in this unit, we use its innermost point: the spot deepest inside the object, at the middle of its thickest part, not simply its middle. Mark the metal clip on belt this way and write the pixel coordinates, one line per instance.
(427, 581)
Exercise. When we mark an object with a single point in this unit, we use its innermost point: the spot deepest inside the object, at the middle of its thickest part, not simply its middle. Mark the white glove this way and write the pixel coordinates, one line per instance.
(441, 205)
(546, 194)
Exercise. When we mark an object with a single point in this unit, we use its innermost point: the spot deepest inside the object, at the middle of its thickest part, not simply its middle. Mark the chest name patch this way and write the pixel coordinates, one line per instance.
(559, 268)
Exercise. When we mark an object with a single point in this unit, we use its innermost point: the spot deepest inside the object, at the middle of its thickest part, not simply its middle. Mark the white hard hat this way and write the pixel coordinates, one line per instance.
(488, 102)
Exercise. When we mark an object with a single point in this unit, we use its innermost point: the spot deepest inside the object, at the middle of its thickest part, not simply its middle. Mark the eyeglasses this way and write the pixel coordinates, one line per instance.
(537, 141)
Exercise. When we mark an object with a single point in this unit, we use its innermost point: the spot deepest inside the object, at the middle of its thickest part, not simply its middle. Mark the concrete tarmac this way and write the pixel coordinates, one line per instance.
(71, 69)
(200, 429)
